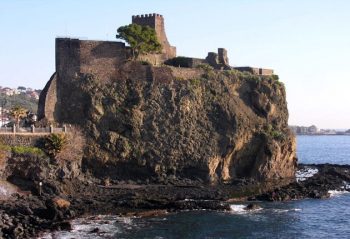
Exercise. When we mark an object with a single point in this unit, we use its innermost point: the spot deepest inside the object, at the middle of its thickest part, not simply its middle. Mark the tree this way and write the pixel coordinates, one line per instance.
(21, 88)
(142, 39)
(18, 112)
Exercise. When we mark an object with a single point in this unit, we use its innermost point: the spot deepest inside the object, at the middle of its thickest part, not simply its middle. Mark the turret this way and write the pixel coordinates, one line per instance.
(156, 21)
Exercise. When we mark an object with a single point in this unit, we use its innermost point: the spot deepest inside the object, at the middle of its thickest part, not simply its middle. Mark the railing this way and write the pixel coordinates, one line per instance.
(32, 130)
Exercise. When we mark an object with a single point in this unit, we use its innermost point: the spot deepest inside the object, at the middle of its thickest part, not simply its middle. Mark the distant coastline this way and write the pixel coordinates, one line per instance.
(313, 130)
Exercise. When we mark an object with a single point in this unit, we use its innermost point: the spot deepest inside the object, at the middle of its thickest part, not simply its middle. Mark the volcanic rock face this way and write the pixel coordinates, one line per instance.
(170, 123)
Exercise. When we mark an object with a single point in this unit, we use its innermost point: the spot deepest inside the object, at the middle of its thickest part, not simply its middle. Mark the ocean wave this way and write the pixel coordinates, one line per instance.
(334, 193)
(305, 173)
(238, 208)
(278, 210)
(105, 226)
(242, 209)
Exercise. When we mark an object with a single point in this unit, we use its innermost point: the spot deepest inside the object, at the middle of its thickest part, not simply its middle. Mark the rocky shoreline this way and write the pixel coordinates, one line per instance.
(25, 214)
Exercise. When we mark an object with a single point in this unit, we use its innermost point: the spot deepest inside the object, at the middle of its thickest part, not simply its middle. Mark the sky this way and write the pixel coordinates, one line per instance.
(307, 43)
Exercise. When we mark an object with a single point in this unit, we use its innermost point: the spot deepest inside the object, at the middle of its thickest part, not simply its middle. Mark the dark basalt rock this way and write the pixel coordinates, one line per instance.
(95, 230)
(329, 177)
(166, 123)
(25, 216)
(252, 206)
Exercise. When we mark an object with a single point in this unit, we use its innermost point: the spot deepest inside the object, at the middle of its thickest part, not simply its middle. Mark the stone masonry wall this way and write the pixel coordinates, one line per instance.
(81, 56)
(19, 140)
(101, 58)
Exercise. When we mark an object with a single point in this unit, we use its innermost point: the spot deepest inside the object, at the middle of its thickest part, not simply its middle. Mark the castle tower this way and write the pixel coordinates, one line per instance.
(156, 21)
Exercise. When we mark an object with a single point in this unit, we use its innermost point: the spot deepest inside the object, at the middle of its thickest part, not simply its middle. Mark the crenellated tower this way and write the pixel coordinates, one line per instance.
(156, 21)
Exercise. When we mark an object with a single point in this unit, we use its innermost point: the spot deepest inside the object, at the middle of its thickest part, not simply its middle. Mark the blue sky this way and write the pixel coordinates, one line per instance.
(306, 42)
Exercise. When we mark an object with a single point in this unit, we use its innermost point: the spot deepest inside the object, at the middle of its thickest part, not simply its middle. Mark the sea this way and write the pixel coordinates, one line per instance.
(310, 218)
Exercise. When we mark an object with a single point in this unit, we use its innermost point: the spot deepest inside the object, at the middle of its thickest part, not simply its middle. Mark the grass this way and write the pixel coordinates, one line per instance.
(195, 82)
(25, 150)
(22, 150)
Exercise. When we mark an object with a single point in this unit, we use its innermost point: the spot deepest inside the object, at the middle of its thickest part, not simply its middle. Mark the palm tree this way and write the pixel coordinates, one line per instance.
(18, 112)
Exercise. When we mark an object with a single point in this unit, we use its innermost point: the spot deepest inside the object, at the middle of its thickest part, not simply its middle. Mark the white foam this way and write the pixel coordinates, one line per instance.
(82, 227)
(305, 173)
(125, 220)
(280, 210)
(287, 210)
(238, 208)
(334, 193)
(241, 209)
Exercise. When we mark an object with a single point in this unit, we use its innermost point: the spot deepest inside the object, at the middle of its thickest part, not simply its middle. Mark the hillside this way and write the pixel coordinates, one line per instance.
(20, 99)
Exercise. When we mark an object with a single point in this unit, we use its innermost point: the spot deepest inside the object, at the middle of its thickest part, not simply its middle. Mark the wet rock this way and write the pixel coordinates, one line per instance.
(328, 177)
(95, 230)
(63, 225)
(252, 206)
(18, 231)
(148, 213)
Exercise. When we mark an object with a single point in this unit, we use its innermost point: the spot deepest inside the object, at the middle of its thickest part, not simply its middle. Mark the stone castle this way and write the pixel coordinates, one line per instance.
(102, 58)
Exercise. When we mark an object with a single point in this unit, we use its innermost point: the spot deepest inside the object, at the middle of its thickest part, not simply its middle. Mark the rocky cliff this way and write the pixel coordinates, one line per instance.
(166, 123)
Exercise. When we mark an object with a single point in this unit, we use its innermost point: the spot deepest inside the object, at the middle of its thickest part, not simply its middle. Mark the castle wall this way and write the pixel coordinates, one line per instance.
(96, 57)
(265, 72)
(67, 58)
(74, 56)
(102, 58)
(188, 62)
(256, 71)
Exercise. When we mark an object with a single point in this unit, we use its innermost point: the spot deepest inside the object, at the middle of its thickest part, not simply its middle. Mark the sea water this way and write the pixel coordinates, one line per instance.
(311, 218)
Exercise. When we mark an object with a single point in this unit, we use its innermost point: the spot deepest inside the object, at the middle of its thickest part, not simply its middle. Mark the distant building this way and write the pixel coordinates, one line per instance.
(7, 91)
(300, 130)
(312, 129)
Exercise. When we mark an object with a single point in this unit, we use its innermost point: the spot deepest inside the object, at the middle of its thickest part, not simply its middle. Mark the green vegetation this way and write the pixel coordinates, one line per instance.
(232, 72)
(205, 67)
(179, 61)
(17, 112)
(274, 77)
(5, 147)
(195, 81)
(245, 75)
(27, 150)
(142, 39)
(21, 100)
(209, 71)
(145, 63)
(275, 134)
(53, 144)
(21, 150)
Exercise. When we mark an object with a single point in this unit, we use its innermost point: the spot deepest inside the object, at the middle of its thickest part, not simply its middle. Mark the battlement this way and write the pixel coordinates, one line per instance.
(146, 16)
